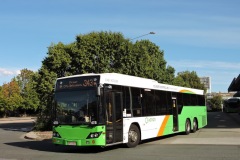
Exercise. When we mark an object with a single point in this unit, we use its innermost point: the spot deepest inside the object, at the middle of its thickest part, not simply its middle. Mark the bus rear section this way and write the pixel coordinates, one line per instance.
(175, 116)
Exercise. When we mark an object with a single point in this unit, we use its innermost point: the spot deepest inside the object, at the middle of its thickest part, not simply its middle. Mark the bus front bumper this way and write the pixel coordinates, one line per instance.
(78, 142)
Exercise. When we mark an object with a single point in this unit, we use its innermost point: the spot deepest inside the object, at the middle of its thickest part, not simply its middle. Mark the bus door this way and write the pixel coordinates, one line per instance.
(175, 114)
(114, 117)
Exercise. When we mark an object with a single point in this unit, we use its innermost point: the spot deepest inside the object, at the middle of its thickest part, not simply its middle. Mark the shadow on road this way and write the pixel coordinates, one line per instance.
(47, 146)
(23, 127)
(223, 120)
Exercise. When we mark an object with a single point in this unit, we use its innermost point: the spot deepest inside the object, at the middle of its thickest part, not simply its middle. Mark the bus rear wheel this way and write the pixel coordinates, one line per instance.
(187, 127)
(133, 136)
(195, 125)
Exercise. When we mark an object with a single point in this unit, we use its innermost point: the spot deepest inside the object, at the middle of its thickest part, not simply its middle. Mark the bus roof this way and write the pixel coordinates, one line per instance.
(133, 81)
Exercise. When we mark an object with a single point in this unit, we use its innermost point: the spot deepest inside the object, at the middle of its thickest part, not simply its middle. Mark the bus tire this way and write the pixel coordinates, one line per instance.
(195, 125)
(133, 136)
(187, 127)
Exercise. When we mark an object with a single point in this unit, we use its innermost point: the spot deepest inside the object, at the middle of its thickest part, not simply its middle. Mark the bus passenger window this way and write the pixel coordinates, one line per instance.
(136, 102)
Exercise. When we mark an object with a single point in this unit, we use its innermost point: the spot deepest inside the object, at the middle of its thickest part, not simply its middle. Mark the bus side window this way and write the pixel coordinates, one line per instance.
(180, 102)
(126, 100)
(169, 102)
(148, 102)
(136, 102)
(186, 99)
(161, 99)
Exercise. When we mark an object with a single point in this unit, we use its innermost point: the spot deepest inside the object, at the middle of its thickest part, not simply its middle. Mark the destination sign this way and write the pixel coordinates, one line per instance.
(77, 83)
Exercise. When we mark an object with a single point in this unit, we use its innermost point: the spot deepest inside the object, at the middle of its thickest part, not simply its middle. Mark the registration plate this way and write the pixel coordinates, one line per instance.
(72, 143)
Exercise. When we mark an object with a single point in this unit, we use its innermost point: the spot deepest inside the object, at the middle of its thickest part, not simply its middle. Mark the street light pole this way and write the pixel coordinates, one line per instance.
(142, 35)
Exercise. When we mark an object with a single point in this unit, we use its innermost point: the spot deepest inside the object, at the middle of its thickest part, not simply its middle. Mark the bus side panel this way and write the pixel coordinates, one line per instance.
(156, 126)
(188, 112)
(150, 126)
(191, 112)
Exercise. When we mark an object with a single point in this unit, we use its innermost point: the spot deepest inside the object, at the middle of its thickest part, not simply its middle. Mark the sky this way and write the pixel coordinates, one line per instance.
(201, 36)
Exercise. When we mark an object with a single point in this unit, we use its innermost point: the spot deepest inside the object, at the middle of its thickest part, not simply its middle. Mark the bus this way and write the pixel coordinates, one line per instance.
(232, 105)
(111, 108)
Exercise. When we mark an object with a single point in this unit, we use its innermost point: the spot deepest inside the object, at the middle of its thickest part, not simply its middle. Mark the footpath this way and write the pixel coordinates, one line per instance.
(34, 135)
(17, 119)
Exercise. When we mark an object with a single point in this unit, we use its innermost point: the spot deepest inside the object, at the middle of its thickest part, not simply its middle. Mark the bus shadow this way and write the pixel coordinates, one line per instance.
(166, 137)
(47, 146)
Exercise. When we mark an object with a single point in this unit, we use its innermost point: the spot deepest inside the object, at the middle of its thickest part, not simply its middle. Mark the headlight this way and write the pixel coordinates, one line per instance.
(94, 135)
(56, 134)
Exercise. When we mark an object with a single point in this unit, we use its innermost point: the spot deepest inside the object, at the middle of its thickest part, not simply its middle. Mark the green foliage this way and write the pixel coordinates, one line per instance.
(99, 52)
(188, 79)
(10, 97)
(44, 121)
(148, 61)
(2, 101)
(216, 102)
(45, 80)
(169, 75)
(27, 90)
(19, 95)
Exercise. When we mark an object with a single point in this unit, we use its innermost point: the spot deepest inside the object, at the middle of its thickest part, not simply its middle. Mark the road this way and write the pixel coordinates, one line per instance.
(220, 140)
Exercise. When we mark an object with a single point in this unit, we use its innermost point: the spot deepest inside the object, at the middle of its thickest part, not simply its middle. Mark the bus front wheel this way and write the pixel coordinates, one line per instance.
(187, 127)
(133, 136)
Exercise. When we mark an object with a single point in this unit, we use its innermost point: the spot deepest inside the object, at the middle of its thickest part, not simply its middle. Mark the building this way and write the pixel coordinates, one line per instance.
(207, 83)
(235, 86)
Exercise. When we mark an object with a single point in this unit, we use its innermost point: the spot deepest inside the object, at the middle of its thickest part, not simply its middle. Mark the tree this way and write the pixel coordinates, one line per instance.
(99, 52)
(2, 101)
(188, 79)
(149, 62)
(19, 94)
(11, 96)
(27, 90)
(45, 80)
(216, 102)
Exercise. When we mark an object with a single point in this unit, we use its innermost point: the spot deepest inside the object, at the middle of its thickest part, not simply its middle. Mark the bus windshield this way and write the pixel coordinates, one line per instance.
(76, 107)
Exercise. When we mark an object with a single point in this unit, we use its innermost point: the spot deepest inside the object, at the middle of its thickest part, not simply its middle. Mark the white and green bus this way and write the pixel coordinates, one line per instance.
(110, 108)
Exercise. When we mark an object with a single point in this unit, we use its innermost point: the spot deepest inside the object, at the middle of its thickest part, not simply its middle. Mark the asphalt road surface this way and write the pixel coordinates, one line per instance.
(220, 140)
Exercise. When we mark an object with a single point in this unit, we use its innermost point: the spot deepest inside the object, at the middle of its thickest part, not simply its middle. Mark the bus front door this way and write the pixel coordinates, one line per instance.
(114, 108)
(175, 114)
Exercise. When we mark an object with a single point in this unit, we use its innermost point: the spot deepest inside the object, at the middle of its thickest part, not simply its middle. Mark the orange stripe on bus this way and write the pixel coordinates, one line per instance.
(161, 130)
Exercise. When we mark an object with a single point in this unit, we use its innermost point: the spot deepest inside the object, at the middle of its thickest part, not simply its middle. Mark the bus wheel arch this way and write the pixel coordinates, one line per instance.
(187, 126)
(195, 125)
(134, 135)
